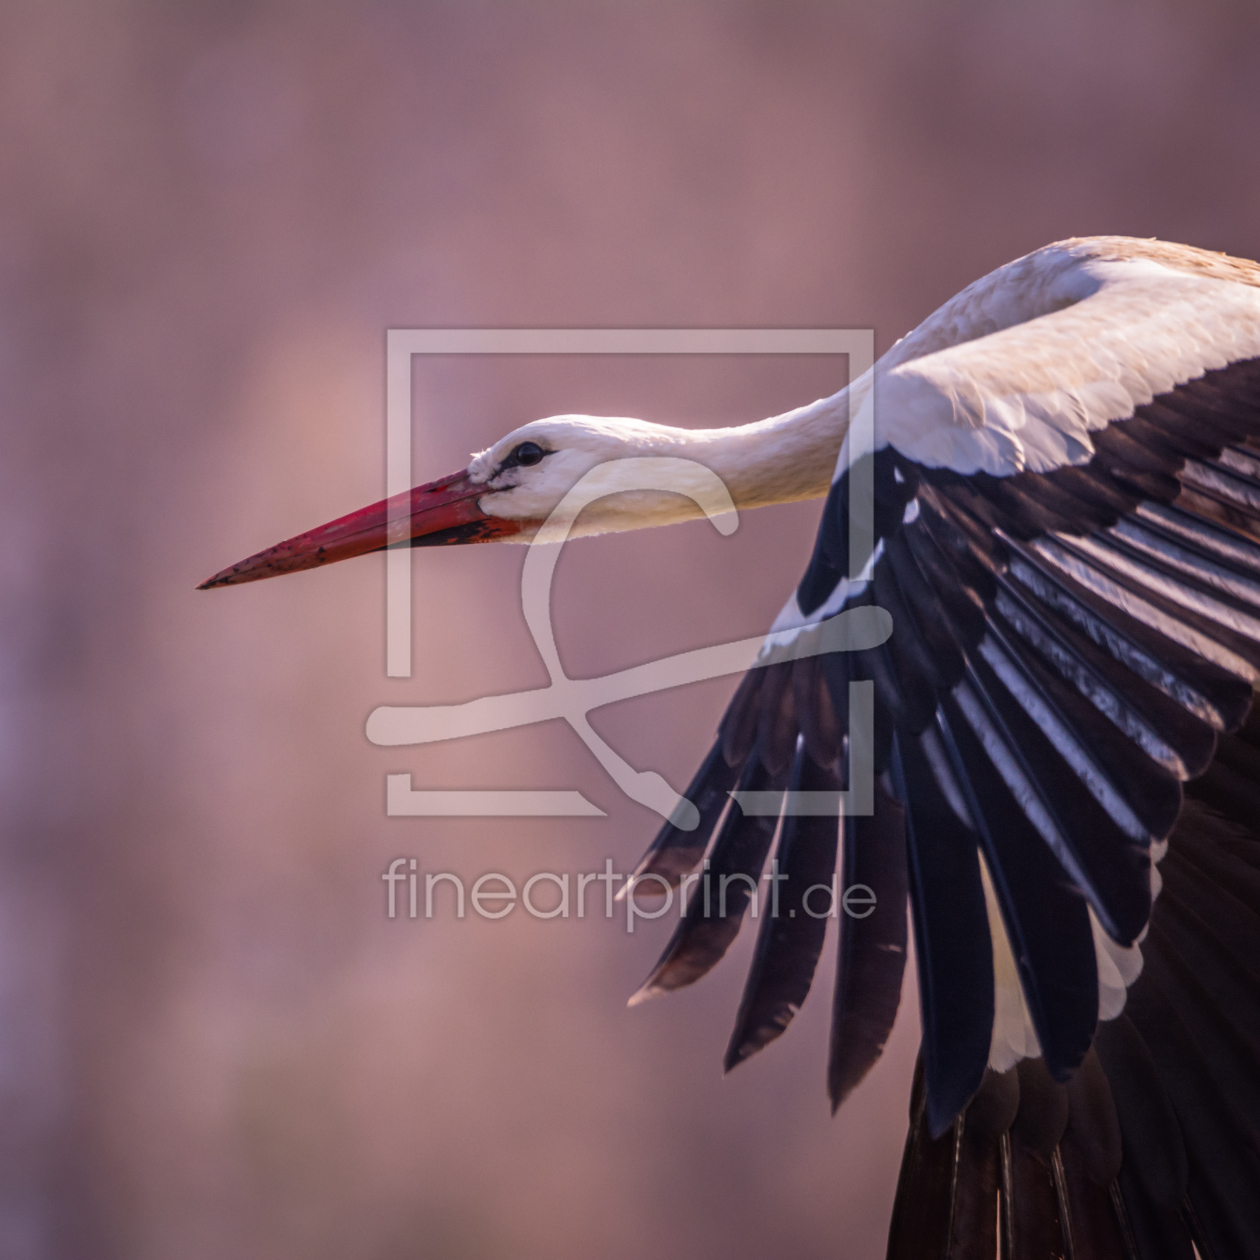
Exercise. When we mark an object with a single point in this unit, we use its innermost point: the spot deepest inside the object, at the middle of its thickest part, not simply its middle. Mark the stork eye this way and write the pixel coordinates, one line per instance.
(528, 454)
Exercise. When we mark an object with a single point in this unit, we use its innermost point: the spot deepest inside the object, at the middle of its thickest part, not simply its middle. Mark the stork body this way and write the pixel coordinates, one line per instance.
(1066, 470)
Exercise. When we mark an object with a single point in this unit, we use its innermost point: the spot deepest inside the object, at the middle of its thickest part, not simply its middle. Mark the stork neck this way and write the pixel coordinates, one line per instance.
(780, 460)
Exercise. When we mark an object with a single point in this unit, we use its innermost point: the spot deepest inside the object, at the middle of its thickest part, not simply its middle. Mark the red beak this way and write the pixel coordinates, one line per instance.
(439, 514)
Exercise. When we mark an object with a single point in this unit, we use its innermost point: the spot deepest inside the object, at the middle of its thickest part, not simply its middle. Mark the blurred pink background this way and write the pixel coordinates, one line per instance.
(212, 1041)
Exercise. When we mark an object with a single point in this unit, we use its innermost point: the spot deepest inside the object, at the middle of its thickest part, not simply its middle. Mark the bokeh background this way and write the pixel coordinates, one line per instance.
(212, 1041)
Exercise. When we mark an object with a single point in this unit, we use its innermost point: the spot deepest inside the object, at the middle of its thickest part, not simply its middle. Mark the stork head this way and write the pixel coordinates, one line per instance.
(505, 494)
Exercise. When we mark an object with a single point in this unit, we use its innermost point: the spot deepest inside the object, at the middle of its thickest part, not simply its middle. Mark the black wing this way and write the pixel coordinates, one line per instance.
(1072, 652)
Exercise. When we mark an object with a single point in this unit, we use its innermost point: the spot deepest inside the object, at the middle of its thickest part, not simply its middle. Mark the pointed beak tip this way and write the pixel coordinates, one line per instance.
(235, 576)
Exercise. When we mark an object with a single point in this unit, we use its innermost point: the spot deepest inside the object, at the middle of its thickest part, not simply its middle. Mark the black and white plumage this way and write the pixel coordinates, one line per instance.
(1066, 471)
(1068, 539)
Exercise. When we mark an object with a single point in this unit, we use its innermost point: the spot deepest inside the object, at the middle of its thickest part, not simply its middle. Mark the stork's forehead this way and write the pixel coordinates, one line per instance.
(553, 433)
(551, 429)
(561, 433)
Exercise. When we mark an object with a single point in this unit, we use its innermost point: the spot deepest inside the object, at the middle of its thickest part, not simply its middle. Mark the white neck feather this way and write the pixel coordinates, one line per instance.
(780, 460)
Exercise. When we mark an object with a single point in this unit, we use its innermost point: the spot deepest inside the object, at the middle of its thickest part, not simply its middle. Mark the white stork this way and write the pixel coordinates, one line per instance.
(1066, 468)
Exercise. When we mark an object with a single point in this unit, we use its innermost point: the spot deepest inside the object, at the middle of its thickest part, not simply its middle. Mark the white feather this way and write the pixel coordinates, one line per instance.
(1017, 370)
(1014, 1037)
